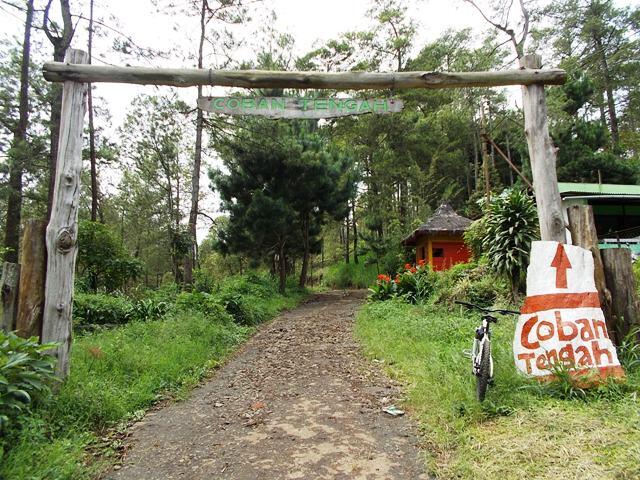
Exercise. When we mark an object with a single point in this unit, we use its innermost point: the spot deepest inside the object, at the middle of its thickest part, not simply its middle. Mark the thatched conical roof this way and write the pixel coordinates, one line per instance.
(444, 221)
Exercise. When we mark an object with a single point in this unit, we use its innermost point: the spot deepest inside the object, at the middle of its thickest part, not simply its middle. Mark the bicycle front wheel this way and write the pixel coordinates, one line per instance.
(484, 372)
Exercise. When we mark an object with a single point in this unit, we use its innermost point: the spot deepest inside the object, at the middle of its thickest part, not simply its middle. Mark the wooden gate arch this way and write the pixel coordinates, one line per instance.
(76, 73)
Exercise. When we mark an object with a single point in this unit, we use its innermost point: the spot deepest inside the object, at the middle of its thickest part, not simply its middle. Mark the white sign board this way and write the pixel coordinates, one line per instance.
(561, 321)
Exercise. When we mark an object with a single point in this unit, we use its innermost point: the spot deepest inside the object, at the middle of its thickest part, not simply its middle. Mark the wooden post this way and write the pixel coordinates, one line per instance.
(583, 234)
(61, 236)
(9, 293)
(32, 277)
(624, 297)
(542, 154)
(58, 72)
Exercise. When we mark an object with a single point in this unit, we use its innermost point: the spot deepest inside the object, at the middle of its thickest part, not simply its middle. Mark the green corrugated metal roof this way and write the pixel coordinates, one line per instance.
(598, 188)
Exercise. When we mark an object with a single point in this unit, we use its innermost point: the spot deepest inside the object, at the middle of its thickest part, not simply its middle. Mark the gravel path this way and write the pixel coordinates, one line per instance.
(298, 401)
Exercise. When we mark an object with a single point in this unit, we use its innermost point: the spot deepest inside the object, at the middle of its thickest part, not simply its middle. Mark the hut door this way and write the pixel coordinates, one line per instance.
(446, 254)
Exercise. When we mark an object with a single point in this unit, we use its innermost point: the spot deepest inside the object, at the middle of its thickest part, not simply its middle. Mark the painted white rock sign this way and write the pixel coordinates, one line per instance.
(561, 322)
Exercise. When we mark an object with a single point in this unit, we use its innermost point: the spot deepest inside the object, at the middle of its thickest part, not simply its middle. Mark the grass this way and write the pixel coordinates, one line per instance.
(523, 430)
(115, 376)
(350, 275)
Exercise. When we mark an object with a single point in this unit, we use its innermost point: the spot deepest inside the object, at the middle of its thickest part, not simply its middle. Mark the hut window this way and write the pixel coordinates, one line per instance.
(438, 252)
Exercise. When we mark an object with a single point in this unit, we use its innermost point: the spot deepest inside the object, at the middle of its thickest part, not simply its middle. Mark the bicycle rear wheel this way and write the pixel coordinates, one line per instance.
(484, 373)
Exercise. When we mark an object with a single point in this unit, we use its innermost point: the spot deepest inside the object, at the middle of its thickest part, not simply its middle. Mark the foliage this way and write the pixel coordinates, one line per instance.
(423, 347)
(267, 217)
(102, 261)
(117, 373)
(350, 275)
(101, 309)
(474, 237)
(26, 372)
(414, 284)
(511, 224)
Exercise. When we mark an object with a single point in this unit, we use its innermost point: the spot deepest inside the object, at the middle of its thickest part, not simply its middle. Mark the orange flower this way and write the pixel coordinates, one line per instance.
(413, 270)
(384, 278)
(407, 266)
(421, 262)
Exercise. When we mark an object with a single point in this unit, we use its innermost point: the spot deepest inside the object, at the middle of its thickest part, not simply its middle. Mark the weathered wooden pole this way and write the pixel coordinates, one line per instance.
(582, 226)
(9, 292)
(542, 154)
(176, 77)
(621, 281)
(61, 237)
(32, 278)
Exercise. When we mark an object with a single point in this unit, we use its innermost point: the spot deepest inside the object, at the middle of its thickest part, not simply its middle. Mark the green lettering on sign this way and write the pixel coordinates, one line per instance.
(305, 107)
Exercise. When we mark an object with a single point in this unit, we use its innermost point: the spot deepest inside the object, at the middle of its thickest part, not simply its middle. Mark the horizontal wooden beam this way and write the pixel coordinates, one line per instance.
(60, 72)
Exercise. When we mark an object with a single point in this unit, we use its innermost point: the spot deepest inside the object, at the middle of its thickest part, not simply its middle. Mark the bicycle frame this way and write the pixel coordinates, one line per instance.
(482, 337)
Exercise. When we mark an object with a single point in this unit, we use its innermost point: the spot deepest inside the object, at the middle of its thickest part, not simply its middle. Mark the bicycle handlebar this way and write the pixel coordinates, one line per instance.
(488, 310)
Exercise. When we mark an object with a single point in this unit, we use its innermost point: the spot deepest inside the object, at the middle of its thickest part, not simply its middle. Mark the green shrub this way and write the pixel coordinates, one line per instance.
(100, 309)
(25, 374)
(414, 284)
(148, 309)
(102, 260)
(511, 225)
(350, 275)
(474, 237)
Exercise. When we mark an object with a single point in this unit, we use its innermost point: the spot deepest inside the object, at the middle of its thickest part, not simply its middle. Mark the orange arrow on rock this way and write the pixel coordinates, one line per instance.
(561, 263)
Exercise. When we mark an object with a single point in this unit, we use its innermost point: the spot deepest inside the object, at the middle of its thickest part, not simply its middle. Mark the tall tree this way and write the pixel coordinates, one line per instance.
(602, 40)
(19, 152)
(221, 12)
(60, 38)
(159, 155)
(92, 131)
(269, 218)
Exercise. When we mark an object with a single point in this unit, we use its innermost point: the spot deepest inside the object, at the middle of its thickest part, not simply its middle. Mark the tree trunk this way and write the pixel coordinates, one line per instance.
(18, 154)
(347, 242)
(60, 45)
(624, 297)
(62, 230)
(542, 154)
(32, 279)
(583, 234)
(611, 102)
(282, 267)
(355, 232)
(197, 162)
(92, 131)
(305, 254)
(9, 284)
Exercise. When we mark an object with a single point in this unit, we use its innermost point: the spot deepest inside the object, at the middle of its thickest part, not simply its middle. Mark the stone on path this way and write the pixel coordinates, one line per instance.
(298, 401)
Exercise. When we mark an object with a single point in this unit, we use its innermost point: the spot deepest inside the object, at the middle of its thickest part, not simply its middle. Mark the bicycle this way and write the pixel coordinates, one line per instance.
(481, 359)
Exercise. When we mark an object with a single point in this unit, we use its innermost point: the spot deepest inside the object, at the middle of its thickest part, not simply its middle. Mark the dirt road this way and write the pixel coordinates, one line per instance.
(297, 402)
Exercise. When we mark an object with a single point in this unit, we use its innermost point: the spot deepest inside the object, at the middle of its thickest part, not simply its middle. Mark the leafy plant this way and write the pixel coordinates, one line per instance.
(148, 309)
(629, 350)
(100, 309)
(102, 261)
(25, 373)
(383, 289)
(511, 224)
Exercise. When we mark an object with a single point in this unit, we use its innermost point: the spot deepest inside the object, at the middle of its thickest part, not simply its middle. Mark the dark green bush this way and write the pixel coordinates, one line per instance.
(511, 223)
(148, 309)
(25, 374)
(100, 309)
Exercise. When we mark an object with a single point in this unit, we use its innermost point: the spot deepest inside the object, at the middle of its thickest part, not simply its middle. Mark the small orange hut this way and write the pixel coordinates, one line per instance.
(439, 240)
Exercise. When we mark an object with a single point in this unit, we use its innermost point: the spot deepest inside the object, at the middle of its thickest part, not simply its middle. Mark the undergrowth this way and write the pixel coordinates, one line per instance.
(523, 429)
(117, 373)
